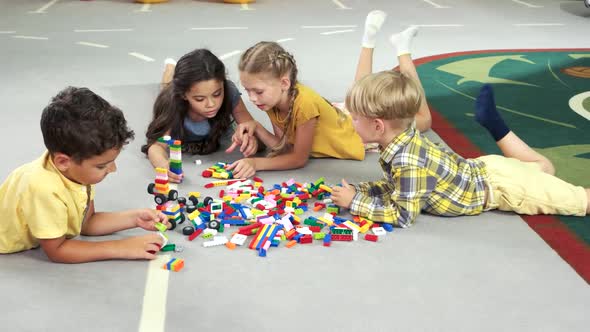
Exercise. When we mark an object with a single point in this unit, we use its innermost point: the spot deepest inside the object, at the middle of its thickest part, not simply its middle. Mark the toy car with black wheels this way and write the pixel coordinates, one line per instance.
(160, 198)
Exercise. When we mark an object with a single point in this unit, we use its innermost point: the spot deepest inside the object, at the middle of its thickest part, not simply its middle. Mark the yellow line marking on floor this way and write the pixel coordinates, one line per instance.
(153, 312)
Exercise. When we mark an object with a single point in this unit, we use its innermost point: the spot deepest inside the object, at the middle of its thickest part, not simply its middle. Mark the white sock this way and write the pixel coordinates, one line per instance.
(373, 24)
(403, 40)
(170, 61)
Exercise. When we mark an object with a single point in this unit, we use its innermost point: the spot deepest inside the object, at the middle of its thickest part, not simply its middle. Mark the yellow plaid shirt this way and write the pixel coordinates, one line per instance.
(421, 176)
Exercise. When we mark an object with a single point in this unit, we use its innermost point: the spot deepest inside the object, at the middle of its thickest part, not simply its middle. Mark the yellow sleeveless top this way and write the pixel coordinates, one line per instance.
(334, 134)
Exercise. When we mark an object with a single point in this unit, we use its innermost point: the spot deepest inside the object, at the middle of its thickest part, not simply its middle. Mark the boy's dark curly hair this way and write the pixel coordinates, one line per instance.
(81, 124)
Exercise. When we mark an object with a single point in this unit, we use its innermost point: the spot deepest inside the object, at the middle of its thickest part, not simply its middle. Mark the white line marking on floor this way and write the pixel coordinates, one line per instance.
(438, 25)
(340, 4)
(327, 26)
(245, 6)
(30, 37)
(153, 312)
(221, 28)
(284, 40)
(6, 32)
(335, 32)
(141, 56)
(103, 30)
(576, 102)
(526, 4)
(435, 5)
(145, 8)
(538, 24)
(92, 44)
(229, 55)
(44, 8)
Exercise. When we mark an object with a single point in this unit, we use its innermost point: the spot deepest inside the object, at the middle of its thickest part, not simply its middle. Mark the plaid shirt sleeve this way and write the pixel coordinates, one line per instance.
(365, 187)
(403, 205)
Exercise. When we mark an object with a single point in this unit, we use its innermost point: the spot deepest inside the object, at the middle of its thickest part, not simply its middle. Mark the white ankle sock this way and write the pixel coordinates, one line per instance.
(373, 24)
(403, 40)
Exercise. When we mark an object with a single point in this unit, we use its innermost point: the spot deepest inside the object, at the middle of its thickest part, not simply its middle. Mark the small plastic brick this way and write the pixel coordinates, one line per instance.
(198, 162)
(371, 237)
(195, 234)
(388, 227)
(238, 239)
(291, 243)
(230, 245)
(169, 247)
(379, 231)
(175, 264)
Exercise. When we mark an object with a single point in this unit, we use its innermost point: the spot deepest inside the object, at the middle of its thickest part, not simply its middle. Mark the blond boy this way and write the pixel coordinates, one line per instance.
(422, 176)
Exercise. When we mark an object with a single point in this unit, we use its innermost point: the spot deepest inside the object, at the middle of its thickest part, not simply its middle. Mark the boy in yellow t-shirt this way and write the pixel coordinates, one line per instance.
(50, 201)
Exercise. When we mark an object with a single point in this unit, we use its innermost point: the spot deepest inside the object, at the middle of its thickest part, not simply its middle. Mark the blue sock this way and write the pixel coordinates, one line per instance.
(487, 115)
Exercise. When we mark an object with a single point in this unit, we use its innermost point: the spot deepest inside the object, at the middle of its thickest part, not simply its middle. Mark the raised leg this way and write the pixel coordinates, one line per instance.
(509, 143)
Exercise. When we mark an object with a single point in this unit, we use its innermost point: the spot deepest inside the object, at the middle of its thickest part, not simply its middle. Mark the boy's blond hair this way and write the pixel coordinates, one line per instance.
(387, 95)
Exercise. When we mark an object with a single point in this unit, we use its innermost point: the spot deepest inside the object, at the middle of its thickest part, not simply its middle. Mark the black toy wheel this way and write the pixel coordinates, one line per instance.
(194, 200)
(190, 208)
(182, 218)
(214, 224)
(181, 200)
(150, 188)
(160, 199)
(172, 195)
(172, 224)
(207, 200)
(188, 230)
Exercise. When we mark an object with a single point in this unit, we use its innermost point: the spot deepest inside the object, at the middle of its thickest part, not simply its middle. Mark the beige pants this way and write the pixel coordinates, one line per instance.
(524, 188)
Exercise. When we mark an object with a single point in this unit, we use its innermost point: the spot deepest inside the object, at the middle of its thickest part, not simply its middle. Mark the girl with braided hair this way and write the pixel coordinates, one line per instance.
(304, 123)
(198, 105)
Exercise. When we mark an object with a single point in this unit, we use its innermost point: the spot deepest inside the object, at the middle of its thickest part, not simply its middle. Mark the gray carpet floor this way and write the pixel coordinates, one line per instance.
(484, 273)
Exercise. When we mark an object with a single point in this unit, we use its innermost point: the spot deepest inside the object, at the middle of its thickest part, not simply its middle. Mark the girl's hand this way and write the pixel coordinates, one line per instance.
(140, 247)
(342, 196)
(243, 168)
(146, 219)
(173, 177)
(244, 137)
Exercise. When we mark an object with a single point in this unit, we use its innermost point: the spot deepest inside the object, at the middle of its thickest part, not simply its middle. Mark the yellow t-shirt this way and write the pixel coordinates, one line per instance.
(334, 135)
(38, 202)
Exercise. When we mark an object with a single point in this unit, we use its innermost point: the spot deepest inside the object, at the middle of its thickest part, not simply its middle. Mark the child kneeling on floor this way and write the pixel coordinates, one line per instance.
(50, 201)
(422, 176)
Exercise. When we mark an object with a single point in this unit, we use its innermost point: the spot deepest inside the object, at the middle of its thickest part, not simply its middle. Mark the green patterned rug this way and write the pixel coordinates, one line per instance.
(544, 96)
